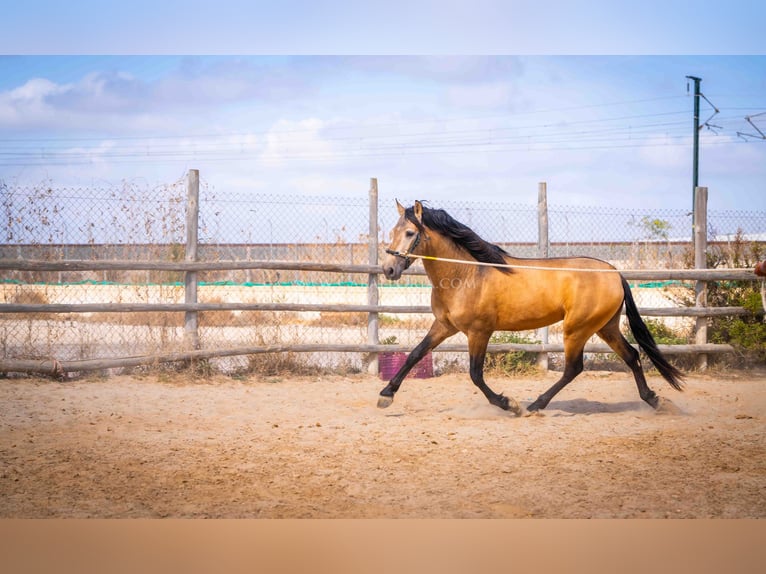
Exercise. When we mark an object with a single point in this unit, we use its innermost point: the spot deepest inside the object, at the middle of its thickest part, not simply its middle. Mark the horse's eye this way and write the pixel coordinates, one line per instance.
(409, 233)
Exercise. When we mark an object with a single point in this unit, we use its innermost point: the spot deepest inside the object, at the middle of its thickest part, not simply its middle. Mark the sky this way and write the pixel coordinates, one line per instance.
(492, 99)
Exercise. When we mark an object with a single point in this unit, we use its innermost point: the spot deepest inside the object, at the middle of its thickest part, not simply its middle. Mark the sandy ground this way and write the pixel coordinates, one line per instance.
(317, 447)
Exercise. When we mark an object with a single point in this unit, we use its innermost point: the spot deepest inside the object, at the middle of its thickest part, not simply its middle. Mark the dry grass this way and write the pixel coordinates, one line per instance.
(275, 364)
(220, 318)
(29, 297)
(340, 319)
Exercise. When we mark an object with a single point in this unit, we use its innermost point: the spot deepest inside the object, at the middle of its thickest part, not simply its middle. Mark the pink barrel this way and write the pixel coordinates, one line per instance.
(389, 364)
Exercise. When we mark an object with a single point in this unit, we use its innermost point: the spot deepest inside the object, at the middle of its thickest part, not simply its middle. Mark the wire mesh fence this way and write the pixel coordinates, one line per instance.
(147, 223)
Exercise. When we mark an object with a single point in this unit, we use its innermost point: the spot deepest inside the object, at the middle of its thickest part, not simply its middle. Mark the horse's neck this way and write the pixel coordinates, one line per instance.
(443, 248)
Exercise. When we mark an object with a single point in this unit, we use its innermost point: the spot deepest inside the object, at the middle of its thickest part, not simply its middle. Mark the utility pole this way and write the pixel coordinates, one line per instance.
(696, 156)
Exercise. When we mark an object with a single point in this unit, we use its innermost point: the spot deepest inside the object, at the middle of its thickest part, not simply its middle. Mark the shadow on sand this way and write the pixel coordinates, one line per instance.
(586, 407)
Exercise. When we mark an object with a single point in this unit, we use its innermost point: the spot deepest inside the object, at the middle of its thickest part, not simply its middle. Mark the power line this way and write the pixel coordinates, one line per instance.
(493, 132)
(616, 135)
(368, 126)
(479, 147)
(620, 131)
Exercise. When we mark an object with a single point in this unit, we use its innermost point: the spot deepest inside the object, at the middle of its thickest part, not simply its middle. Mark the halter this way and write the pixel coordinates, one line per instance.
(407, 252)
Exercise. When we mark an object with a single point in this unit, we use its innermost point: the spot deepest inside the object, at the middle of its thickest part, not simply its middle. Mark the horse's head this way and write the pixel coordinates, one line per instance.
(405, 239)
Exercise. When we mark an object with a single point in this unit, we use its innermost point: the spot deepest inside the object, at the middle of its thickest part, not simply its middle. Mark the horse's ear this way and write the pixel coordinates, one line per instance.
(400, 208)
(418, 210)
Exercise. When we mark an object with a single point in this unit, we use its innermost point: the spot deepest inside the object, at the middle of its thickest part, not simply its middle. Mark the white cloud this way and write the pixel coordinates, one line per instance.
(28, 103)
(296, 140)
(451, 127)
(34, 90)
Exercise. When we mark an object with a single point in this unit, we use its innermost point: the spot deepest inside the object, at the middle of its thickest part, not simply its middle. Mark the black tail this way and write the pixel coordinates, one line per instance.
(646, 341)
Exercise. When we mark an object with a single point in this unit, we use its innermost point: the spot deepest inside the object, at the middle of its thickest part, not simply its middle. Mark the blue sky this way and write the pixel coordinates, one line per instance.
(384, 27)
(484, 115)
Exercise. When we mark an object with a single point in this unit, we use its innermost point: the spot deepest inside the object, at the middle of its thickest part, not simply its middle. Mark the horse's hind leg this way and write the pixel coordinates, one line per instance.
(611, 334)
(573, 366)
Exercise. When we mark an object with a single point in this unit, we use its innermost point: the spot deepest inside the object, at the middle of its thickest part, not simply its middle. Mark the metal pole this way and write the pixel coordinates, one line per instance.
(696, 152)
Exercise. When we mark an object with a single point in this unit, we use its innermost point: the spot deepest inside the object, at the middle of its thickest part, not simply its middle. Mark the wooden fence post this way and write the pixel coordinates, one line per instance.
(372, 278)
(700, 262)
(191, 318)
(543, 244)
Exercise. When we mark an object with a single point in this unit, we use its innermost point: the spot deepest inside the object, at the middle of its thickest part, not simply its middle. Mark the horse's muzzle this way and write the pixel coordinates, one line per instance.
(392, 272)
(394, 265)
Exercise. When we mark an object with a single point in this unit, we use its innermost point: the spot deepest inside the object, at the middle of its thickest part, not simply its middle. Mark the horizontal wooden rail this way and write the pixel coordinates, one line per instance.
(58, 368)
(53, 367)
(183, 307)
(131, 265)
(308, 307)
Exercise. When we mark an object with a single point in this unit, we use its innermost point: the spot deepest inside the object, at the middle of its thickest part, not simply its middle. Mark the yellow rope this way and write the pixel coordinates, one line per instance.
(507, 266)
(543, 268)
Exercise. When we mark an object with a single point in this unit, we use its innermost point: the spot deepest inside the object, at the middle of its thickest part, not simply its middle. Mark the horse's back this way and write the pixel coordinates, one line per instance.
(540, 292)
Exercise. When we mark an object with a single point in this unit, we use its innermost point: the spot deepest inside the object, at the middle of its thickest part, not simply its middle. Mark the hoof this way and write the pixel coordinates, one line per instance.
(514, 407)
(508, 404)
(653, 401)
(534, 407)
(666, 407)
(384, 402)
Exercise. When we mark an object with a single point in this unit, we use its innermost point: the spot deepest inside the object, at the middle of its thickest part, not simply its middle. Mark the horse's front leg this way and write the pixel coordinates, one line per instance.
(477, 351)
(438, 332)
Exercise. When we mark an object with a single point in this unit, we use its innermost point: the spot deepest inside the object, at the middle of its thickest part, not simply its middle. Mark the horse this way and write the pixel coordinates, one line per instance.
(479, 288)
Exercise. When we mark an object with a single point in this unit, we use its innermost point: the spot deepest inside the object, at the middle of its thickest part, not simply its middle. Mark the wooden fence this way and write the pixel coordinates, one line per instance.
(191, 307)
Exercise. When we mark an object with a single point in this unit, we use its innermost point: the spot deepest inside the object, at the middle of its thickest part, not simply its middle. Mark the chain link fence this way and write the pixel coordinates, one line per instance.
(139, 222)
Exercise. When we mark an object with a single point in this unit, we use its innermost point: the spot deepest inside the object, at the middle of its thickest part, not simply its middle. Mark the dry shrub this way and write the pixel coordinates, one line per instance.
(341, 319)
(29, 297)
(136, 318)
(359, 319)
(25, 297)
(272, 364)
(221, 318)
(254, 318)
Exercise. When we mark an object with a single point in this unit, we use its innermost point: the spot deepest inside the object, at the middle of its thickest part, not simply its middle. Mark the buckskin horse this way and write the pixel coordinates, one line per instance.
(479, 288)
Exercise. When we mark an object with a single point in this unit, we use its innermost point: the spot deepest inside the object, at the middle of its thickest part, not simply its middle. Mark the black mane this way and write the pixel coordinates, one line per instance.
(462, 235)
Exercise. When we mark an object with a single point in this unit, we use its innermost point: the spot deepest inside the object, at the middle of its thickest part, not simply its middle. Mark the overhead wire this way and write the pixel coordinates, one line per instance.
(339, 127)
(566, 135)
